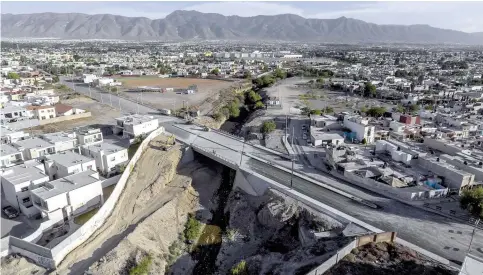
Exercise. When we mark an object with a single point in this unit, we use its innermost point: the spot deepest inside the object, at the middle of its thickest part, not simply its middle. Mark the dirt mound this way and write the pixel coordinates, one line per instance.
(14, 264)
(387, 259)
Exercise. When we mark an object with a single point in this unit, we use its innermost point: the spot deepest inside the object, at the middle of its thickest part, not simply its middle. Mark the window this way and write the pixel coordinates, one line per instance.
(51, 116)
(24, 189)
(27, 199)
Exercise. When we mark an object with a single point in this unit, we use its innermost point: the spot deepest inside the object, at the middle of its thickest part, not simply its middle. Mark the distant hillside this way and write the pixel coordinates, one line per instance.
(185, 25)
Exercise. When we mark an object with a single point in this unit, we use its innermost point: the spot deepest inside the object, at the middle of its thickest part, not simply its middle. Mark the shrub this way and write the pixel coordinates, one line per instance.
(259, 105)
(143, 267)
(218, 117)
(268, 126)
(192, 228)
(240, 268)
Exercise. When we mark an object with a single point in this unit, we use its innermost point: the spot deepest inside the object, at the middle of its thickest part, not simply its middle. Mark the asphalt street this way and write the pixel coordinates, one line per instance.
(440, 235)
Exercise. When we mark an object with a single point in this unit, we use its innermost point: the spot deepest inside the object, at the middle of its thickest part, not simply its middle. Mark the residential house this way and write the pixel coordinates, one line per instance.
(17, 181)
(33, 148)
(8, 136)
(135, 125)
(88, 136)
(67, 163)
(42, 112)
(109, 157)
(9, 156)
(62, 141)
(360, 126)
(69, 196)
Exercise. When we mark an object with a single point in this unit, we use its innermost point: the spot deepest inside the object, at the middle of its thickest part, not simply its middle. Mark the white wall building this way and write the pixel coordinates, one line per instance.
(68, 197)
(67, 163)
(62, 141)
(17, 182)
(33, 148)
(9, 156)
(360, 126)
(109, 157)
(88, 136)
(135, 125)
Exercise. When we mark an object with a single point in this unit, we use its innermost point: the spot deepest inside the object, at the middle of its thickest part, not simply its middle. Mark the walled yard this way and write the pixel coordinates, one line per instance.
(207, 89)
(387, 259)
(101, 115)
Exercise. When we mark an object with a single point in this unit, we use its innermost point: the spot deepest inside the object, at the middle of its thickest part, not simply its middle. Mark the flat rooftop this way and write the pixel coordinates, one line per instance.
(66, 184)
(106, 147)
(7, 149)
(59, 137)
(136, 119)
(26, 172)
(33, 143)
(69, 158)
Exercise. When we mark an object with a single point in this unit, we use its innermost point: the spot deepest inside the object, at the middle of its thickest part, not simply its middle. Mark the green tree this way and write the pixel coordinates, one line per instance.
(247, 75)
(364, 141)
(218, 117)
(400, 108)
(253, 97)
(363, 109)
(76, 57)
(234, 109)
(13, 75)
(215, 71)
(278, 73)
(259, 105)
(142, 268)
(268, 126)
(369, 89)
(316, 112)
(55, 79)
(414, 107)
(329, 110)
(472, 200)
(376, 111)
(36, 83)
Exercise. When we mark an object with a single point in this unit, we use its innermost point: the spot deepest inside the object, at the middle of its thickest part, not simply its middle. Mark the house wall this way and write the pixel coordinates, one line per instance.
(64, 118)
(454, 179)
(111, 160)
(65, 145)
(442, 145)
(57, 202)
(10, 193)
(79, 197)
(144, 128)
(362, 131)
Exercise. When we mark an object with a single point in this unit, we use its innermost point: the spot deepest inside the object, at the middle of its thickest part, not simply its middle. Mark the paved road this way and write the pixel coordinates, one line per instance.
(437, 234)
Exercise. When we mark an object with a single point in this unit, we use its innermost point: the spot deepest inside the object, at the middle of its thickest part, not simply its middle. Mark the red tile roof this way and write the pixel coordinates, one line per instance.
(62, 108)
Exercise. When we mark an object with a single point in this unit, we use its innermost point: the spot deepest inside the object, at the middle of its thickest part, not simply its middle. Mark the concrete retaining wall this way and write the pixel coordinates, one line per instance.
(321, 269)
(40, 255)
(64, 118)
(110, 181)
(86, 230)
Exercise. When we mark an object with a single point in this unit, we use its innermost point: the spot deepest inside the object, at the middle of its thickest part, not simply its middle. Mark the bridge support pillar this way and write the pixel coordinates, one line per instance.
(188, 155)
(249, 184)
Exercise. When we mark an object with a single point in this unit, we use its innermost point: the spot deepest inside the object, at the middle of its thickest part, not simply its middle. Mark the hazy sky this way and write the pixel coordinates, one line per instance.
(464, 16)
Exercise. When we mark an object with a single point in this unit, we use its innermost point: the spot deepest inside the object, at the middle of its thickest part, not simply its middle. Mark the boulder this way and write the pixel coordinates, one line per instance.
(275, 213)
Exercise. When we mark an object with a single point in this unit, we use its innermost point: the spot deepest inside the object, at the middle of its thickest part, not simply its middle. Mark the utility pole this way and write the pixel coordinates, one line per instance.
(110, 98)
(473, 235)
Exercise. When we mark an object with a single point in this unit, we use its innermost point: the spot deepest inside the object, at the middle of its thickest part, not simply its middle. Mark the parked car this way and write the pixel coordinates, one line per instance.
(10, 212)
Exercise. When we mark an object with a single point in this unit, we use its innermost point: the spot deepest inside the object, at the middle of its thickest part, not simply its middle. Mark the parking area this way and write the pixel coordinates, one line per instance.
(18, 227)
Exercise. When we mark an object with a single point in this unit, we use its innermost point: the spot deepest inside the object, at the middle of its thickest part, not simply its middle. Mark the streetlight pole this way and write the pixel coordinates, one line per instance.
(473, 235)
(293, 158)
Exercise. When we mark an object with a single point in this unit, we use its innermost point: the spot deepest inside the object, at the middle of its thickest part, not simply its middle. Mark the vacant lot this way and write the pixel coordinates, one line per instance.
(102, 115)
(208, 89)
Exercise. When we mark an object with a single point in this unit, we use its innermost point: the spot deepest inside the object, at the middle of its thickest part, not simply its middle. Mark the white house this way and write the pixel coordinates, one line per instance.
(67, 163)
(9, 156)
(68, 197)
(135, 125)
(42, 112)
(66, 110)
(360, 127)
(9, 136)
(18, 180)
(320, 138)
(109, 157)
(88, 136)
(62, 141)
(13, 113)
(33, 148)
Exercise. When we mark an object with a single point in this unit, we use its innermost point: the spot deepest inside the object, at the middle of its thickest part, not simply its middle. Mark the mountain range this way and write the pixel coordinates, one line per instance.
(191, 25)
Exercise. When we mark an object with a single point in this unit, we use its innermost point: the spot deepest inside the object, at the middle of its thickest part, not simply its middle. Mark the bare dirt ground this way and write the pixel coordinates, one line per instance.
(207, 88)
(153, 183)
(387, 259)
(100, 115)
(14, 265)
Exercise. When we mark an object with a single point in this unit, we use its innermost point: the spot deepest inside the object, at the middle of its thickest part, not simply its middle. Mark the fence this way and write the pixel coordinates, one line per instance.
(64, 118)
(86, 230)
(359, 241)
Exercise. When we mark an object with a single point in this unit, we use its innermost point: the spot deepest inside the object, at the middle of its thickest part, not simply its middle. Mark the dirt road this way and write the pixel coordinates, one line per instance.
(151, 185)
